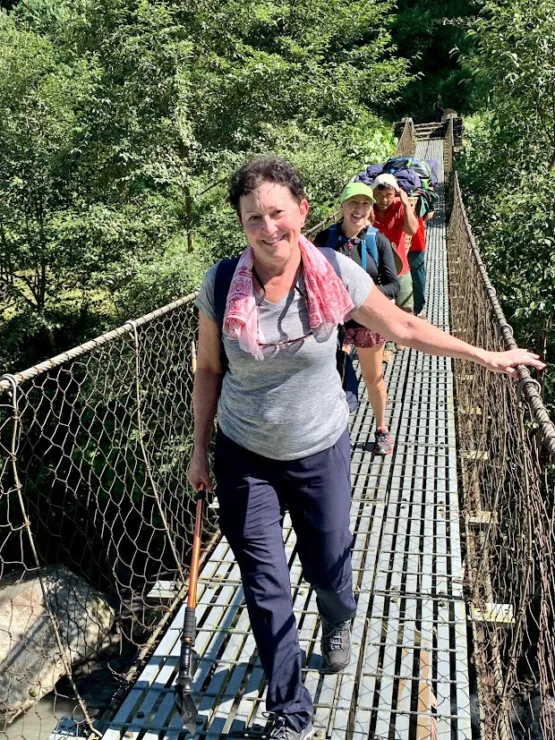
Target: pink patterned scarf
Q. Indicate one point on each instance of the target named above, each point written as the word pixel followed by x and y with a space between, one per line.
pixel 327 299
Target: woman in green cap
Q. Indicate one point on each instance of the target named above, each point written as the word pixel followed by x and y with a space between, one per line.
pixel 355 237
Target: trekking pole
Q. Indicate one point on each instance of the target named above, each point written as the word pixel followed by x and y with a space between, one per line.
pixel 184 687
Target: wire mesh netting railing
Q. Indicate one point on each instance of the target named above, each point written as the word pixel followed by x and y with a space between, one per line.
pixel 95 514
pixel 96 517
pixel 507 456
pixel 407 141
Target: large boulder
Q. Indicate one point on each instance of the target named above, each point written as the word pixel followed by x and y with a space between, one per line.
pixel 30 660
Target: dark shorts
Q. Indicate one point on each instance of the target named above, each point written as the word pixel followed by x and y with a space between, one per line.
pixel 362 337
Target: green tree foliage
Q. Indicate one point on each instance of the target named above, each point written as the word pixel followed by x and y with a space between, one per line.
pixel 260 64
pixel 117 117
pixel 513 70
pixel 89 149
pixel 432 35
pixel 509 162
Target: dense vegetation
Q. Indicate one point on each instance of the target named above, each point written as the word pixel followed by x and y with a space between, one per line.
pixel 509 163
pixel 432 36
pixel 121 118
pixel 119 115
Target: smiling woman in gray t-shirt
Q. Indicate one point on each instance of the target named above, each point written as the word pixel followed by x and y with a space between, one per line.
pixel 291 404
pixel 282 440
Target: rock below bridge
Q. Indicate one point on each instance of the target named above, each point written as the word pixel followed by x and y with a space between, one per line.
pixel 30 660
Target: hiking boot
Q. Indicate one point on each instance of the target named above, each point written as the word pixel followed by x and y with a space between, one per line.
pixel 387 355
pixel 383 444
pixel 336 646
pixel 282 730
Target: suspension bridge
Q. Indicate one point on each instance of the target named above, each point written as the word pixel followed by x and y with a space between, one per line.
pixel 454 540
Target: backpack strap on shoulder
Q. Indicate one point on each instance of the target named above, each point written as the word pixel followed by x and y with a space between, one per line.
pixel 371 247
pixel 224 275
pixel 333 236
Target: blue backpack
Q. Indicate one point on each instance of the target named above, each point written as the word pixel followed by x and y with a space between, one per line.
pixel 369 241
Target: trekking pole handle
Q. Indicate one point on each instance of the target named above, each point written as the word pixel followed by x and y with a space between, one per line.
pixel 189 626
pixel 195 557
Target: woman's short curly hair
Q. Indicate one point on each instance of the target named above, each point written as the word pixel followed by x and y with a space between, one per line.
pixel 264 169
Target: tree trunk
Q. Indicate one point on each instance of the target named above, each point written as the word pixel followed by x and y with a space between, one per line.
pixel 189 219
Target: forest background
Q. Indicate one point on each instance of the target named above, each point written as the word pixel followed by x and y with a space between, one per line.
pixel 120 121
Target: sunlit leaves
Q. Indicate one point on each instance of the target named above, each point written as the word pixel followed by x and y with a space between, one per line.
pixel 113 110
pixel 509 162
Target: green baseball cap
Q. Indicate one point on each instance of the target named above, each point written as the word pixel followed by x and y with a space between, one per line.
pixel 357 188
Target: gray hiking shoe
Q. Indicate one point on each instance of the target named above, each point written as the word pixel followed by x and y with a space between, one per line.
pixel 282 730
pixel 383 445
pixel 336 646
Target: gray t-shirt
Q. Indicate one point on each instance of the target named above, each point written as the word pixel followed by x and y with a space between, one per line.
pixel 290 404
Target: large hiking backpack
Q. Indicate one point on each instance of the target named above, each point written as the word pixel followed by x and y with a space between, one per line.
pixel 407 178
pixel 428 200
pixel 369 242
pixel 422 168
pixel 224 275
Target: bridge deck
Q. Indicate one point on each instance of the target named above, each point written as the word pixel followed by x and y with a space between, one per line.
pixel 408 676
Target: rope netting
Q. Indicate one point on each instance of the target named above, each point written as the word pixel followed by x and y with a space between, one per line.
pixel 448 147
pixel 96 517
pixel 407 141
pixel 507 456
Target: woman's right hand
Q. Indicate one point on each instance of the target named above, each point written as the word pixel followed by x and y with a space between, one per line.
pixel 198 472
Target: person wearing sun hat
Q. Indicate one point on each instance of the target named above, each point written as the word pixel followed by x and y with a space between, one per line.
pixel 395 218
pixel 348 238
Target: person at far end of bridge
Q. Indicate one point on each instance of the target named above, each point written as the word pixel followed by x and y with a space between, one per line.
pixel 395 218
pixel 439 109
pixel 355 238
pixel 266 362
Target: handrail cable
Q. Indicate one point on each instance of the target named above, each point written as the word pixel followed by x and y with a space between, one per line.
pixel 528 387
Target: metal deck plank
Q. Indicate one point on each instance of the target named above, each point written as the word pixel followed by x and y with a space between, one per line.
pixel 150 682
pixel 163 664
pixel 421 532
pixel 157 706
pixel 152 670
pixel 370 529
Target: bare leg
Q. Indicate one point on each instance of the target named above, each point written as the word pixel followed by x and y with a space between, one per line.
pixel 371 367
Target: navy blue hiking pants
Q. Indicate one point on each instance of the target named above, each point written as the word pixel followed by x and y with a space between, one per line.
pixel 253 493
pixel 417 262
